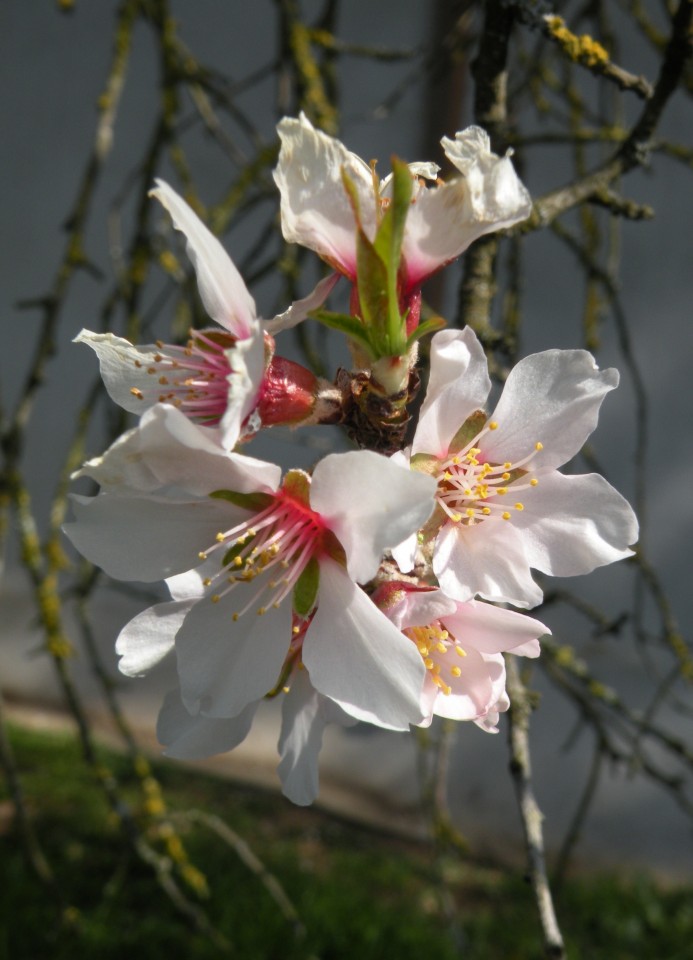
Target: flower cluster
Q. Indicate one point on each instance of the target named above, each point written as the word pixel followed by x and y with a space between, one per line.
pixel 365 589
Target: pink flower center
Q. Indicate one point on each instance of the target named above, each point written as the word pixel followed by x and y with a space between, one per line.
pixel 440 652
pixel 193 378
pixel 472 489
pixel 273 548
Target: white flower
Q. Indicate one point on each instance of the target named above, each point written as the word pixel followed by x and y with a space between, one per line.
pixel 217 377
pixel 462 646
pixel 173 503
pixel 502 506
pixel 443 220
pixel 305 714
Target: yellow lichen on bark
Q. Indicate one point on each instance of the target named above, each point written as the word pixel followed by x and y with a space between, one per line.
pixel 581 49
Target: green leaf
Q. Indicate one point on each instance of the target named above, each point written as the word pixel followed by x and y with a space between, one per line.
pixel 249 501
pixel 351 326
pixel 426 326
pixel 390 235
pixel 306 589
pixel 374 292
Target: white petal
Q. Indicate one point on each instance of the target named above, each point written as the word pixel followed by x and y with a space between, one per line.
pixel 300 740
pixel 573 524
pixel 223 665
pixel 315 210
pixel 492 629
pixel 122 468
pixel 225 296
pixel 458 386
pixel 138 538
pixel 247 364
pixel 188 737
pixel 552 398
pixel 404 553
pixel 299 309
pixel 444 221
pixel 478 687
pixel 370 503
pixel 149 637
pixel 355 656
pixel 192 458
pixel 487 559
pixel 123 367
pixel 421 607
pixel 419 168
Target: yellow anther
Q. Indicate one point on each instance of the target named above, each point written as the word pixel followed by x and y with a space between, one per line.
pixel 456 517
pixel 505 476
pixel 238 561
pixel 215 598
pixel 235 617
pixel 206 582
pixel 441 648
pixel 486 511
pixel 506 516
pixel 519 506
pixel 444 634
pixel 493 425
pixel 507 465
pixel 261 611
pixel 219 537
pixel 202 555
pixel 447 475
pixel 428 663
pixel 470 511
pixel 538 446
pixel 446 689
pixel 137 393
pixel 436 668
pixel 533 482
pixel 456 671
pixel 456 461
pixel 295 630
pixel 460 652
pixel 423 650
pixel 501 491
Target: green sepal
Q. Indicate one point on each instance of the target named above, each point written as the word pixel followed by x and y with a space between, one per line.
pixel 234 551
pixel 469 429
pixel 351 326
pixel 249 501
pixel 333 548
pixel 425 463
pixel 297 485
pixel 306 589
pixel 431 325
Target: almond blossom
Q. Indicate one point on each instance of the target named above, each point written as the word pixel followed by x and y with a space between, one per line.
pixel 246 552
pixel 444 218
pixel 221 375
pixel 462 646
pixel 502 507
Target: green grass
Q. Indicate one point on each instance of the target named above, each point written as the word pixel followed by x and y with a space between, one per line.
pixel 361 896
